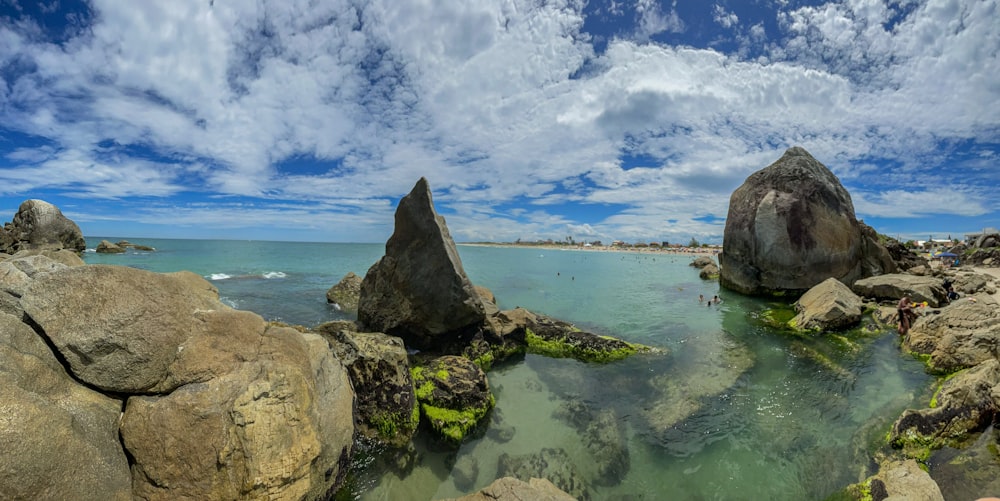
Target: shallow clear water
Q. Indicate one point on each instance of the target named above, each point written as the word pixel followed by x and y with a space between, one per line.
pixel 733 411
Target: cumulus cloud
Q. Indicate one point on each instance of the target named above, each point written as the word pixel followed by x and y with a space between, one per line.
pixel 327 110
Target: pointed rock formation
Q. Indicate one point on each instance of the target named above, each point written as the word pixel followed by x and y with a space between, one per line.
pixel 790 226
pixel 419 291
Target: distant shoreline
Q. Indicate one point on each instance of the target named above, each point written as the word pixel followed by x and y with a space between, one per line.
pixel 672 251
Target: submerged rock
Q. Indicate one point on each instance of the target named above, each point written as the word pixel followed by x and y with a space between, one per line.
pixel 512 489
pixel 554 465
pixel 790 226
pixel 39 225
pixel 603 435
pixel 418 290
pixel 717 363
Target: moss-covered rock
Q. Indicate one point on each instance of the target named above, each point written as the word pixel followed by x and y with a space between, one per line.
pixel 454 396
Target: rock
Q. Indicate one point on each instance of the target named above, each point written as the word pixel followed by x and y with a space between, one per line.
pixel 971 283
pixel 512 489
pixel 675 397
pixel 971 472
pixel 489 300
pixel 966 403
pixel 828 306
pixel 987 240
pixel 553 465
pixel 465 472
pixel 603 435
pixel 40 225
pixel 277 426
pixel 386 406
pixel 64 256
pixel 454 395
pixel 17 273
pixel 60 439
pixel 896 285
pixel 963 335
pixel 790 226
pixel 904 480
pixel 904 258
pixel 555 338
pixel 125 338
pixel 701 262
pixel 106 247
pixel 418 290
pixel 709 272
pixel 919 271
pixel 345 293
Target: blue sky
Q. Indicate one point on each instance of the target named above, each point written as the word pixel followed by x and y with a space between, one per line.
pixel 601 120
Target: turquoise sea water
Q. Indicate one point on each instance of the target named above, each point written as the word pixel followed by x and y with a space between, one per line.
pixel 735 410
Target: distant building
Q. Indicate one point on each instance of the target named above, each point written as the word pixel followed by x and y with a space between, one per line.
pixel 971 238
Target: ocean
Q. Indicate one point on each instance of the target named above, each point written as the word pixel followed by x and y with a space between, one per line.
pixel 735 410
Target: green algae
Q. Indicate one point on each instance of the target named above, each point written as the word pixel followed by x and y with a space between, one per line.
pixel 560 348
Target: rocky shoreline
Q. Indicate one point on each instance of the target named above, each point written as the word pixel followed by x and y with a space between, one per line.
pixel 139 385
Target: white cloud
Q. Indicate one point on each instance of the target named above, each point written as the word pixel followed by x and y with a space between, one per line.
pixel 487 99
pixel 723 17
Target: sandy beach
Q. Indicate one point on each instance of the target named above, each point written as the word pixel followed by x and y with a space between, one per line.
pixel 712 252
pixel 994 272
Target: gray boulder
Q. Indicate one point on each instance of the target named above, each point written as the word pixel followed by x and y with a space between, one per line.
pixel 40 225
pixel 60 439
pixel 963 335
pixel 345 293
pixel 790 226
pixel 418 290
pixel 896 285
pixel 828 306
pixel 17 273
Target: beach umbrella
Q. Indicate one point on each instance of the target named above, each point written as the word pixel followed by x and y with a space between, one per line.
pixel 947 254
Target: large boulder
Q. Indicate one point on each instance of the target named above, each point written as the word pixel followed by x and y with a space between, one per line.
pixel 278 426
pixel 58 439
pixel 220 403
pixel 40 225
pixel 963 335
pixel 792 225
pixel 386 407
pixel 896 285
pixel 418 290
pixel 120 328
pixel 828 306
pixel 106 247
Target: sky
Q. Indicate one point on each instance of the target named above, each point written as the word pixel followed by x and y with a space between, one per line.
pixel 308 120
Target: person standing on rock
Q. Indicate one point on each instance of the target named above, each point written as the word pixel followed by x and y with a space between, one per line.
pixel 904 311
